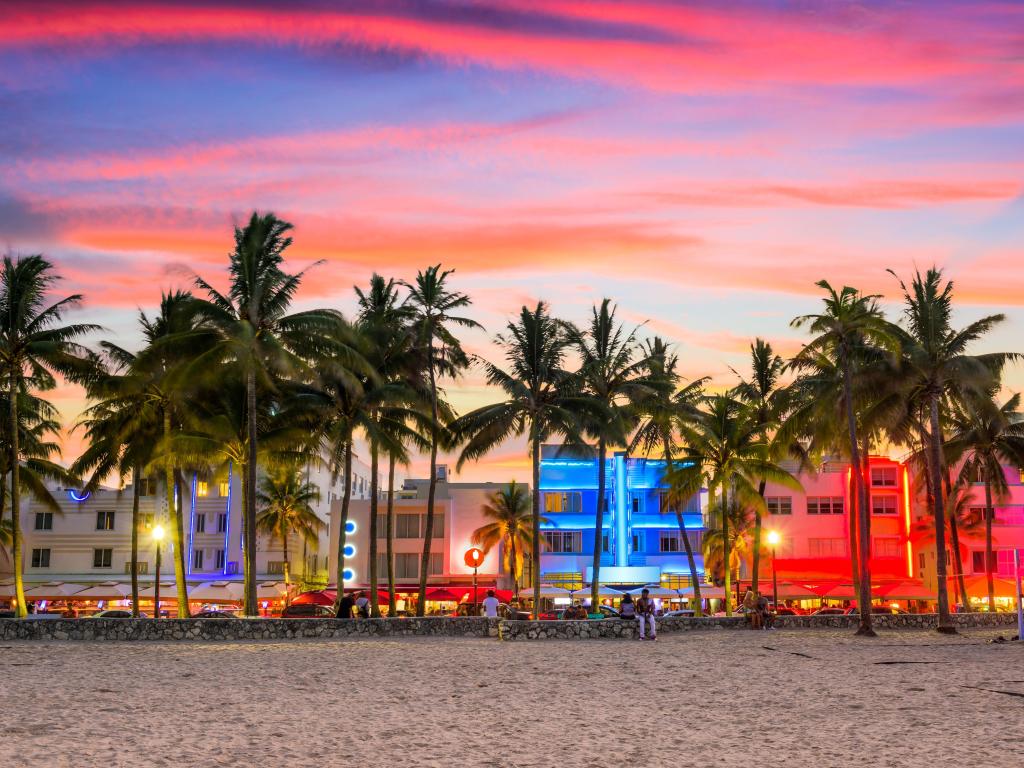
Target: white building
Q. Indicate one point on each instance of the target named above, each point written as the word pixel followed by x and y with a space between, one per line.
pixel 89 540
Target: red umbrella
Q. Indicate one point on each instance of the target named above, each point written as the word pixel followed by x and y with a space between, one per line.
pixel 317 597
pixel 443 595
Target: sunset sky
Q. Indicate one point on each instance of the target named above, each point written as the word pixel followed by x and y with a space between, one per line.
pixel 703 164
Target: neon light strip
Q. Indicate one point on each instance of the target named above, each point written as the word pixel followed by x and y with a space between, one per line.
pixel 906 518
pixel 621 521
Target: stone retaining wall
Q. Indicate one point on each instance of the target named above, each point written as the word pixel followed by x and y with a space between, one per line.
pixel 241 629
pixel 284 629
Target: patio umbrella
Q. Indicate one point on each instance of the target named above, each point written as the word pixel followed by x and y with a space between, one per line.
pixel 6 590
pixel 796 591
pixel 54 590
pixel 168 592
pixel 316 597
pixel 270 590
pixel 905 590
pixel 441 595
pixel 656 590
pixel 108 590
pixel 840 592
pixel 707 592
pixel 603 591
pixel 217 592
pixel 546 590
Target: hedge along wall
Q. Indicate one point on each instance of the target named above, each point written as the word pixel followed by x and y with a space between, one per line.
pixel 286 629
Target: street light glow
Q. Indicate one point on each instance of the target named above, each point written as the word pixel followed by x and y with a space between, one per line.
pixel 158 533
pixel 773 537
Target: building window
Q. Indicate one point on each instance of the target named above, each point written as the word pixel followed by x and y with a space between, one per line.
pixel 638 542
pixel 222 522
pixel 407 565
pixel 202 488
pixel 102 558
pixel 407 526
pixel 676 581
pixel 104 520
pixel 606 542
pixel 224 489
pixel 563 541
pixel 200 523
pixel 438 532
pixel 145 521
pixel 883 477
pixel 142 567
pixel 887 546
pixel 219 559
pixel 1004 561
pixel 883 505
pixel 435 565
pixel 825 505
pixel 665 505
pixel 44 521
pixel 780 505
pixel 275 566
pixel 978 562
pixel 569 501
pixel 147 486
pixel 1009 516
pixel 920 559
pixel 637 504
pixel 669 541
pixel 197 559
pixel 826 547
pixel 40 558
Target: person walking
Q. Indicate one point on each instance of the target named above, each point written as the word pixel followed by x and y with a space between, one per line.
pixel 362 606
pixel 490 605
pixel 645 613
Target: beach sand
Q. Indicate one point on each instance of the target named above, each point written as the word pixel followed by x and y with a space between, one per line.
pixel 811 698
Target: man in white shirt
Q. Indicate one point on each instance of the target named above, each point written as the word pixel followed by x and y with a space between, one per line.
pixel 490 605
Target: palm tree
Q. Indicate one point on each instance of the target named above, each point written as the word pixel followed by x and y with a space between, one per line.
pixel 392 400
pixel 850 322
pixel 611 376
pixel 34 346
pixel 539 403
pixel 286 500
pixel 509 511
pixel 938 366
pixel 262 340
pixel 441 354
pixel 989 435
pixel 727 450
pixel 663 407
pixel 728 536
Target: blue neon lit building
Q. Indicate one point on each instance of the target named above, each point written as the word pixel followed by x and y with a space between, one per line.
pixel 640 532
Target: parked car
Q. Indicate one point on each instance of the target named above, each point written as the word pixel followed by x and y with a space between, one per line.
pixel 681 612
pixel 784 611
pixel 829 612
pixel 878 610
pixel 116 613
pixel 308 611
pixel 214 615
pixel 508 612
pixel 606 610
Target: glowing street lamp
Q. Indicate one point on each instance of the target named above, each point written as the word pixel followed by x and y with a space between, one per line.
pixel 158 537
pixel 773 542
pixel 474 558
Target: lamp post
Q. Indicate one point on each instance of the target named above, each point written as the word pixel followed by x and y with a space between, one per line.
pixel 473 558
pixel 773 541
pixel 158 537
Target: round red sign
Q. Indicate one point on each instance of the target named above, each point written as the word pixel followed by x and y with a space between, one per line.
pixel 474 557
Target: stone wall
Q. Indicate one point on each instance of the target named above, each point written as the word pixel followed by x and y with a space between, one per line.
pixel 285 629
pixel 241 629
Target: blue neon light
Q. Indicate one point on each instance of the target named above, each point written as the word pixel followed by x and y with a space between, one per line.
pixel 78 496
pixel 350 527
pixel 350 550
pixel 192 524
pixel 621 544
pixel 348 574
pixel 227 528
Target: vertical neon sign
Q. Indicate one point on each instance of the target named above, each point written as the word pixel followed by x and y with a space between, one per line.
pixel 621 521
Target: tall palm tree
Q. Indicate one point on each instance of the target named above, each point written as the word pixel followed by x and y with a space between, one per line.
pixel 937 366
pixel 287 500
pixel 392 402
pixel 849 322
pixel 611 375
pixel 34 346
pixel 539 402
pixel 259 336
pixel 771 404
pixel 510 527
pixel 988 435
pixel 727 540
pixel 663 407
pixel 432 306
pixel 727 451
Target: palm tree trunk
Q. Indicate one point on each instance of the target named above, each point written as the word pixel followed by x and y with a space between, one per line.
pixel 685 536
pixel 287 563
pixel 346 499
pixel 428 534
pixel 177 534
pixel 389 545
pixel 954 537
pixel 251 609
pixel 535 547
pixel 726 550
pixel 756 564
pixel 935 449
pixel 372 566
pixel 595 585
pixel 989 575
pixel 513 559
pixel 21 609
pixel 865 527
pixel 857 507
pixel 135 540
